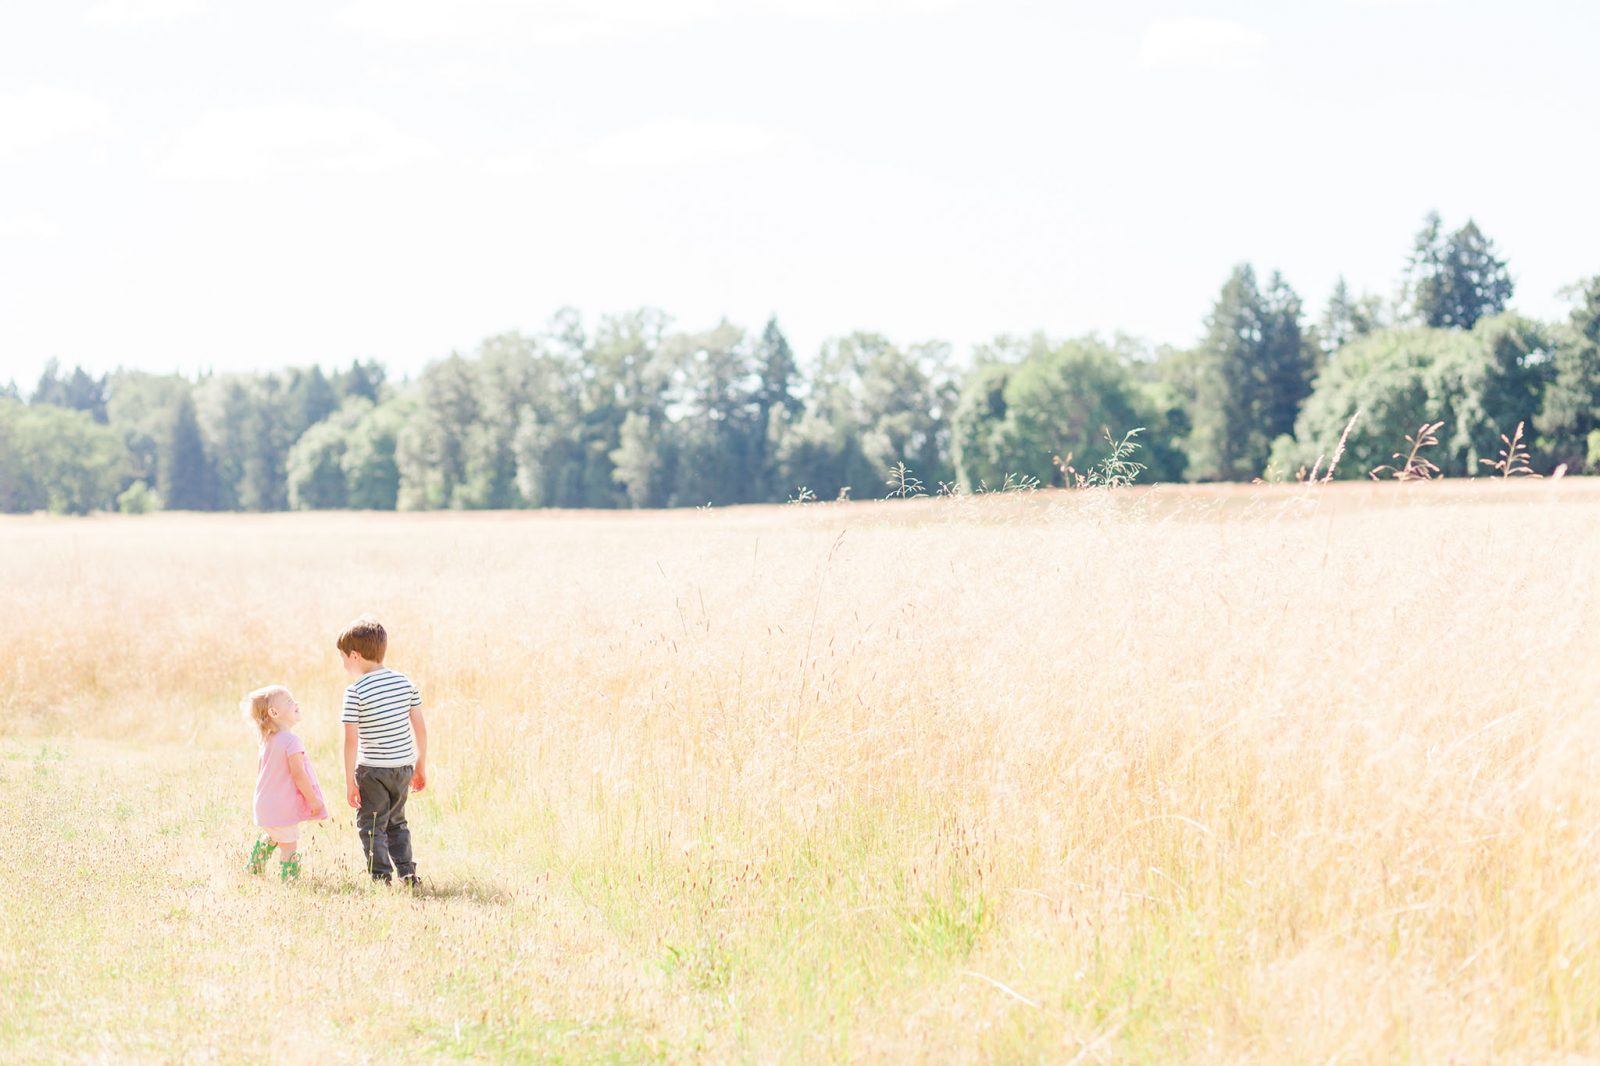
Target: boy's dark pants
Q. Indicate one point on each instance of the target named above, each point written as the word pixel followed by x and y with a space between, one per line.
pixel 381 820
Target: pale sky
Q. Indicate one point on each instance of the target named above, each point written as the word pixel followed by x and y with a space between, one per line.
pixel 191 183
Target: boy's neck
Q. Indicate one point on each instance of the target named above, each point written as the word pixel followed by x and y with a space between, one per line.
pixel 370 668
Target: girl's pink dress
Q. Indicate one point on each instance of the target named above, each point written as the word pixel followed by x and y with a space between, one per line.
pixel 278 802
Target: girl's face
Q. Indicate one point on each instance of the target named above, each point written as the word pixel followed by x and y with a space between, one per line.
pixel 284 711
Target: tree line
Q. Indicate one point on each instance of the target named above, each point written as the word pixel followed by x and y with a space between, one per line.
pixel 629 412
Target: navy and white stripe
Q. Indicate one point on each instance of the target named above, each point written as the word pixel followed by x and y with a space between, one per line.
pixel 379 705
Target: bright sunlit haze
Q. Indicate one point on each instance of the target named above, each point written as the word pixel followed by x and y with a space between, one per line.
pixel 194 185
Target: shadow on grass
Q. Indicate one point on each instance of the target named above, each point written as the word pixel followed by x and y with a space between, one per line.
pixel 448 888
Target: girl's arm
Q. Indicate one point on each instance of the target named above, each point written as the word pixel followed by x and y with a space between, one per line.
pixel 302 780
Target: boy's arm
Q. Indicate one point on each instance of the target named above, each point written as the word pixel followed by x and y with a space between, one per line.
pixel 302 781
pixel 352 793
pixel 419 776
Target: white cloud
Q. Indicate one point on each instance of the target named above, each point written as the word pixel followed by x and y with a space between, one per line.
pixel 284 139
pixel 41 115
pixel 676 141
pixel 116 14
pixel 1194 43
pixel 852 10
pixel 521 163
pixel 535 22
pixel 27 227
pixel 561 22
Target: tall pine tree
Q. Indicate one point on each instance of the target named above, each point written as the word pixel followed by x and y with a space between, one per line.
pixel 1453 280
pixel 309 399
pixel 1255 371
pixel 362 379
pixel 263 482
pixel 1285 359
pixel 1348 317
pixel 776 402
pixel 79 390
pixel 186 481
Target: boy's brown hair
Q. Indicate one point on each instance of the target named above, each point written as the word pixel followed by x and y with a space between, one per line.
pixel 366 638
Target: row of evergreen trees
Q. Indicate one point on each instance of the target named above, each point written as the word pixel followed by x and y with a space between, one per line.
pixel 631 413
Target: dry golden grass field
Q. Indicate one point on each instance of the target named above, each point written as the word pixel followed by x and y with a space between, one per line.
pixel 1257 775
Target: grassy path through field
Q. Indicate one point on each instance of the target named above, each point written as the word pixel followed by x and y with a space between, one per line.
pixel 128 929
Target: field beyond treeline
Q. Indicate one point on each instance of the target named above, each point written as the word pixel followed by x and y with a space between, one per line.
pixel 1260 774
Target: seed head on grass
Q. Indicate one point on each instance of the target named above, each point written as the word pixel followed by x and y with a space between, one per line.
pixel 1414 466
pixel 1514 457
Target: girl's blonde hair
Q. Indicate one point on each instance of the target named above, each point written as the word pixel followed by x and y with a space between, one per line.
pixel 258 705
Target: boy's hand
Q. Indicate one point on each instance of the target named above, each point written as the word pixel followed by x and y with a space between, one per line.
pixel 419 779
pixel 352 793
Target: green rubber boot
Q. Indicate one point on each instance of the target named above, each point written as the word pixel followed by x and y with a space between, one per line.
pixel 259 855
pixel 289 868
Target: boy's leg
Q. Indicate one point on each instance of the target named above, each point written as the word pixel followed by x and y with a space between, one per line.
pixel 372 821
pixel 399 833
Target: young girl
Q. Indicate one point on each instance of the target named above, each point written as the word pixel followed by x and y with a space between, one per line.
pixel 286 790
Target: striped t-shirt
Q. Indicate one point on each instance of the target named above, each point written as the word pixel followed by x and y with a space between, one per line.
pixel 379 705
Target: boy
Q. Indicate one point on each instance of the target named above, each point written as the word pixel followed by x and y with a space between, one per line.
pixel 385 750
